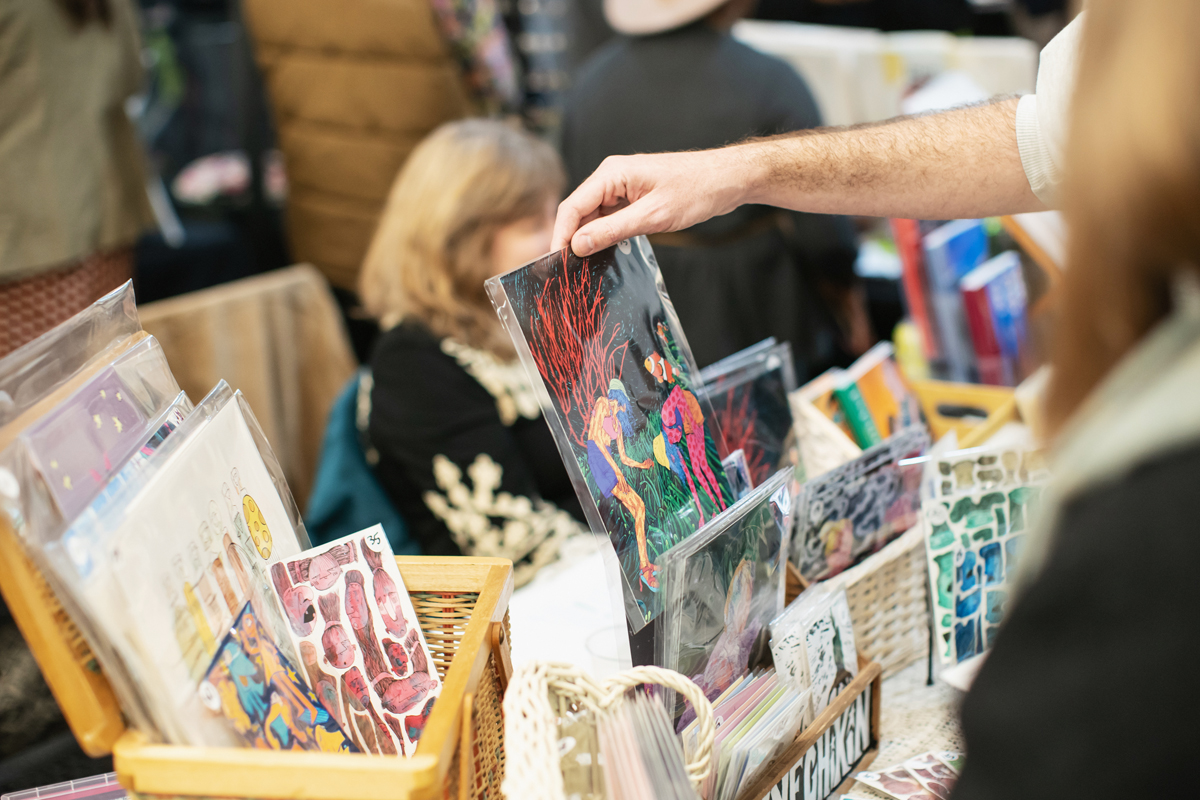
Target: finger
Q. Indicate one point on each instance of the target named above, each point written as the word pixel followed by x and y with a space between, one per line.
pixel 581 203
pixel 632 220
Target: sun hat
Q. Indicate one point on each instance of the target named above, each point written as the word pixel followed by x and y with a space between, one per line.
pixel 642 17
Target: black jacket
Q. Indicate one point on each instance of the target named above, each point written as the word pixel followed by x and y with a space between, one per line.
pixel 464 453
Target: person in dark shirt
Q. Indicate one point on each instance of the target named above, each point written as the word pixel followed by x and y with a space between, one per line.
pixel 464 453
pixel 685 83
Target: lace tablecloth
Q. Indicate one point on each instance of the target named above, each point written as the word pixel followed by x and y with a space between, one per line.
pixel 915 718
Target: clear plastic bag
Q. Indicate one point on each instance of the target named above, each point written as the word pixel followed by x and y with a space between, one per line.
pixel 36 369
pixel 723 587
pixel 617 383
pixel 812 644
pixel 749 394
pixel 856 509
pixel 166 558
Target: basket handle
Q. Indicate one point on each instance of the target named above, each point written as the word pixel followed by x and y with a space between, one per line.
pixel 530 731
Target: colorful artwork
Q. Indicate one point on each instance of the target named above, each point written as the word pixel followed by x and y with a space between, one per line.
pixel 270 707
pixel 358 636
pixel 984 469
pixel 600 336
pixel 895 782
pixel 724 586
pixel 935 776
pixel 184 566
pixel 854 510
pixel 750 399
pixel 79 445
pixel 973 545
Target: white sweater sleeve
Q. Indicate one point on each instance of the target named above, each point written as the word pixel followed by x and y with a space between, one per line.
pixel 1043 118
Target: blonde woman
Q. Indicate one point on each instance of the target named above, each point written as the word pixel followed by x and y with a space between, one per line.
pixel 464 453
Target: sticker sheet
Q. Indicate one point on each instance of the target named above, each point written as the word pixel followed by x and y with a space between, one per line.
pixel 83 441
pixel 984 469
pixel 359 639
pixel 262 696
pixel 935 776
pixel 751 404
pixel 191 548
pixel 973 546
pixel 859 507
pixel 723 589
pixel 896 782
pixel 619 386
pixel 813 645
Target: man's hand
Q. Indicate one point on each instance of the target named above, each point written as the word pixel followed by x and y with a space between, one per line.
pixel 633 195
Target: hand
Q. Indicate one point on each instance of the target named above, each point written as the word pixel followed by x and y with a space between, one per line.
pixel 633 195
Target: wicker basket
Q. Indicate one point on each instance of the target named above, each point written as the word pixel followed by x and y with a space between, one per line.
pixel 462 607
pixel 888 597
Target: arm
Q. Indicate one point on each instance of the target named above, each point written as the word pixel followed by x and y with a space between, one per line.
pixel 961 163
pixel 626 460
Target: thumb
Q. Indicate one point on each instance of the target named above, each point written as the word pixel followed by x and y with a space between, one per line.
pixel 630 221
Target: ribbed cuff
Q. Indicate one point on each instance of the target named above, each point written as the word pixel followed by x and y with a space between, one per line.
pixel 1043 174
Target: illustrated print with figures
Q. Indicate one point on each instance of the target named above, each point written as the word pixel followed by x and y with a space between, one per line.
pixel 185 559
pixel 359 640
pixel 600 335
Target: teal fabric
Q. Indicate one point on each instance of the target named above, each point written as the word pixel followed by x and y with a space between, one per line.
pixel 346 496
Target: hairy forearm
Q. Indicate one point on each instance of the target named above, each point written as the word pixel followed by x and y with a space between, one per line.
pixel 962 163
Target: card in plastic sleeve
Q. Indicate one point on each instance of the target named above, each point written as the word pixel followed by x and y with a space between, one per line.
pixel 618 385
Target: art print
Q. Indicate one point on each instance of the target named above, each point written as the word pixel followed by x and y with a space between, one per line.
pixel 856 509
pixel 952 759
pixel 600 336
pixel 359 640
pixel 752 409
pixel 935 776
pixel 80 444
pixel 973 546
pixel 262 696
pixel 724 589
pixel 188 562
pixel 984 469
pixel 895 782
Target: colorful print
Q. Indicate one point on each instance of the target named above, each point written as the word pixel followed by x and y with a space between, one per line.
pixel 262 696
pixel 854 510
pixel 752 408
pixel 361 644
pixel 724 586
pixel 600 335
pixel 973 544
pixel 983 469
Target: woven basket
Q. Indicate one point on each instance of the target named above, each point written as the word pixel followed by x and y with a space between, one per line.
pixel 540 689
pixel 888 594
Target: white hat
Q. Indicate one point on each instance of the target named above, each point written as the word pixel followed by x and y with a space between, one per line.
pixel 642 17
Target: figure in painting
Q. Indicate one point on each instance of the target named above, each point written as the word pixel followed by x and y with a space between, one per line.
pixel 299 602
pixel 324 569
pixel 683 420
pixel 610 422
pixel 732 651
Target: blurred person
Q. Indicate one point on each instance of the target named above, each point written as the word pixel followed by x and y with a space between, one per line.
pixel 677 80
pixel 1096 633
pixel 74 198
pixel 464 453
pixel 1001 157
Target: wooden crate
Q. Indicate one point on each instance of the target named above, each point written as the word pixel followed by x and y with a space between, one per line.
pixel 945 405
pixel 462 606
pixel 842 740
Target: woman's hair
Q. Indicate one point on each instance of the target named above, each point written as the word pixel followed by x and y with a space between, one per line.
pixel 431 252
pixel 1132 191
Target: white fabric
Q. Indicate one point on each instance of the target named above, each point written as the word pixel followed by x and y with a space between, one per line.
pixel 1043 118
